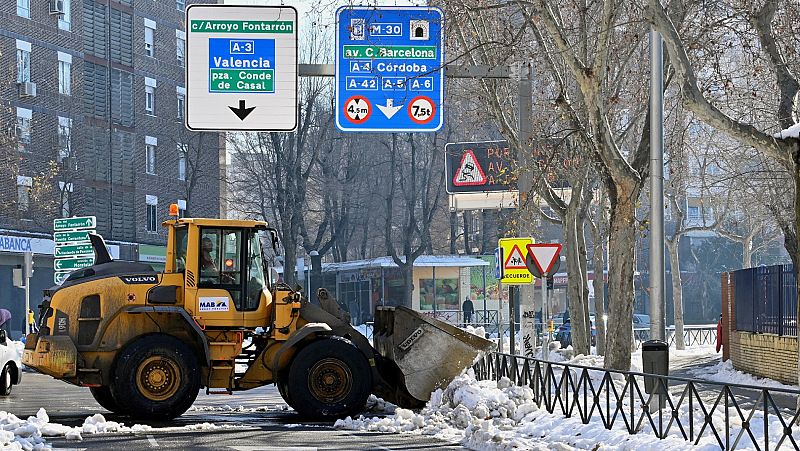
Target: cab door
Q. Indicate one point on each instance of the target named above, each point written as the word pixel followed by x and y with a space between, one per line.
pixel 220 282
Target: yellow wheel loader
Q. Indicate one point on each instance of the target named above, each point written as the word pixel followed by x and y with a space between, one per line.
pixel 146 342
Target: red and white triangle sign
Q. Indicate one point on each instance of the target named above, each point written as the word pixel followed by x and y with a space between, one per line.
pixel 544 255
pixel 469 172
pixel 515 259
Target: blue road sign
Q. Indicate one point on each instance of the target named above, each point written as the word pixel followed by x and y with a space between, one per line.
pixel 498 263
pixel 389 75
pixel 241 65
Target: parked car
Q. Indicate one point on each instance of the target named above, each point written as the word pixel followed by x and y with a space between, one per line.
pixel 641 321
pixel 11 373
pixel 564 334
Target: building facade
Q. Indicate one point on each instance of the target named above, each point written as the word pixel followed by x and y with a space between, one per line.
pixel 91 123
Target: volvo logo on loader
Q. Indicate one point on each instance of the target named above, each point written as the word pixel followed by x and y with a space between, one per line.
pixel 408 342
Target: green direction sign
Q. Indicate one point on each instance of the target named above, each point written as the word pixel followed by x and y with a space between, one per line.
pixel 242 80
pixel 71 237
pixel 74 250
pixel 83 222
pixel 59 277
pixel 72 263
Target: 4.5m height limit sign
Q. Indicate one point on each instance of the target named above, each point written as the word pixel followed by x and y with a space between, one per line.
pixel 241 68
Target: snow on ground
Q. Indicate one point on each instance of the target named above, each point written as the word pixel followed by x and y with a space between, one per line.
pixel 29 434
pixel 18 346
pixel 725 372
pixel 497 415
pixel 791 132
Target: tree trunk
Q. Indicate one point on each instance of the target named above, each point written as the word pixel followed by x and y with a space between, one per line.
pixel 289 262
pixel 677 290
pixel 467 217
pixel 576 284
pixel 453 232
pixel 598 284
pixel 408 283
pixel 747 251
pixel 622 237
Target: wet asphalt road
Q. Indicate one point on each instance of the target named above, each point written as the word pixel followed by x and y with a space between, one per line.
pixel 263 423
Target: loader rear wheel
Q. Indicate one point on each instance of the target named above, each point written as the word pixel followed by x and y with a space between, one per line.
pixel 157 376
pixel 330 378
pixel 106 400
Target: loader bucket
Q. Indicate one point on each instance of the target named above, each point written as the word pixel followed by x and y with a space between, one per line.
pixel 429 353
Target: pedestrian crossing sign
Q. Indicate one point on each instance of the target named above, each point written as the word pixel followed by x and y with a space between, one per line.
pixel 515 251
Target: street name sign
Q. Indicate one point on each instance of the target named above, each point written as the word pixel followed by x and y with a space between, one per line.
pixel 514 252
pixel 63 264
pixel 78 237
pixel 75 250
pixel 77 223
pixel 241 68
pixel 389 69
pixel 485 166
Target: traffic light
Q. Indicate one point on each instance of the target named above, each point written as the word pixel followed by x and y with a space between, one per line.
pixel 28 265
pixel 550 283
pixel 16 277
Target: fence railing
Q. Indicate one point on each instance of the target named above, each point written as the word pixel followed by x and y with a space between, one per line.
pixel 730 415
pixel 692 335
pixel 766 300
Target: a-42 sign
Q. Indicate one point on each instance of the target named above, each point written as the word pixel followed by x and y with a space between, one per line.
pixel 389 69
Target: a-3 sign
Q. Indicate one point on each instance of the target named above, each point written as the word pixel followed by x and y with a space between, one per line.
pixel 77 223
pixel 389 75
pixel 241 68
pixel 514 251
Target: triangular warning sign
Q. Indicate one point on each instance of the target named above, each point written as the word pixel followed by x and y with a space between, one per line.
pixel 469 172
pixel 544 255
pixel 515 259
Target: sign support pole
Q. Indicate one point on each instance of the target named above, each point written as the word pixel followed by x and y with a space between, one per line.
pixel 545 320
pixel 657 320
pixel 527 294
pixel 501 336
pixel 512 300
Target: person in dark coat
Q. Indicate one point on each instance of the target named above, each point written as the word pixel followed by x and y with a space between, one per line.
pixel 468 310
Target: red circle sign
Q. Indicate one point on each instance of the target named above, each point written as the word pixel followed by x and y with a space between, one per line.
pixel 357 109
pixel 421 109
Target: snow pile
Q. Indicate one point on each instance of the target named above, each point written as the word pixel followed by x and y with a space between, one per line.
pixel 379 406
pixel 497 415
pixel 238 409
pixel 726 373
pixel 18 347
pixel 19 434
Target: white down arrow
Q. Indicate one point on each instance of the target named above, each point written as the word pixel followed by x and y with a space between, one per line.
pixel 389 109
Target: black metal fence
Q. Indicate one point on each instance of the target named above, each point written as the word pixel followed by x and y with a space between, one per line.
pixel 729 415
pixel 692 335
pixel 766 300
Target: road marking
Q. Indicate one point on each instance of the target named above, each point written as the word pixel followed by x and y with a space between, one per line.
pixel 152 440
pixel 273 448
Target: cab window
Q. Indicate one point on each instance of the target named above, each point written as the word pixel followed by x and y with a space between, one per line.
pixel 220 261
pixel 255 273
pixel 181 240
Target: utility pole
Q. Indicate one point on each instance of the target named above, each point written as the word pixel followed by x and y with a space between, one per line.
pixel 27 270
pixel 657 320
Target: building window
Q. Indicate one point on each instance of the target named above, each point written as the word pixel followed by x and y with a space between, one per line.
pixel 23 61
pixel 149 32
pixel 24 8
pixel 24 193
pixel 180 47
pixel 64 73
pixel 64 20
pixel 181 106
pixel 150 144
pixel 150 96
pixel 693 212
pixel 180 5
pixel 152 212
pixel 65 190
pixel 23 129
pixel 181 161
pixel 64 138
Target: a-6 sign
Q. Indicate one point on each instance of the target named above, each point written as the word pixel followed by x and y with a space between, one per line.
pixel 72 263
pixel 78 223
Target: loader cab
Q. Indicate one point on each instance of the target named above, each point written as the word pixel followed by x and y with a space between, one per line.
pixel 223 271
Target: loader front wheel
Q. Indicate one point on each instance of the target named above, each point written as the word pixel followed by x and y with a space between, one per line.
pixel 328 379
pixel 157 376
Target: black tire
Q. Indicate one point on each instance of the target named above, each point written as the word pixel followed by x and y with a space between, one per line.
pixel 106 400
pixel 156 377
pixel 283 389
pixel 5 381
pixel 329 379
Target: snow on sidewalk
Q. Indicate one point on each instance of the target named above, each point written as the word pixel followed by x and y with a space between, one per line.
pixel 29 434
pixel 498 416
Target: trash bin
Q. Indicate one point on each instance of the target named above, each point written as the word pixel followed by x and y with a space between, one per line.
pixel 655 360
